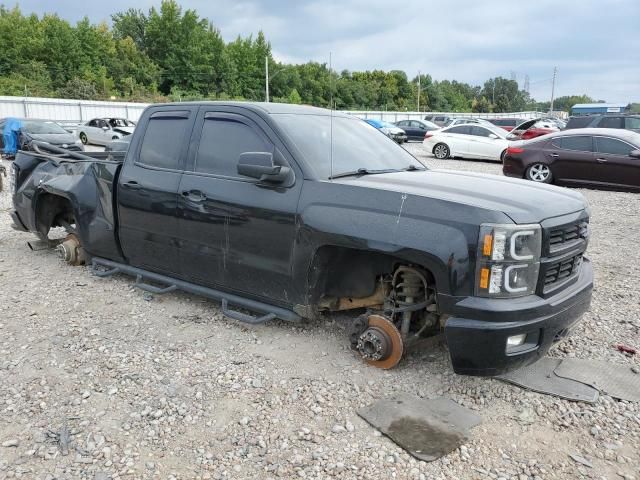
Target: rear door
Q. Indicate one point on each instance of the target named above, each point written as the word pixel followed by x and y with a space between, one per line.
pixel 457 138
pixel 615 166
pixel 571 158
pixel 236 233
pixel 148 189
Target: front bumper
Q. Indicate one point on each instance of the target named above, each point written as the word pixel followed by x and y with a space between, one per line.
pixel 477 336
pixel 399 137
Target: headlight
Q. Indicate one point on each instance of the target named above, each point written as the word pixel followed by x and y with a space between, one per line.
pixel 385 130
pixel 508 260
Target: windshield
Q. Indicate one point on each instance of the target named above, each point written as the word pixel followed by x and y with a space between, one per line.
pixel 42 128
pixel 356 145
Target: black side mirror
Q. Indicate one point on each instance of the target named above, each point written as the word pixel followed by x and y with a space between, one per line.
pixel 260 165
pixel 634 153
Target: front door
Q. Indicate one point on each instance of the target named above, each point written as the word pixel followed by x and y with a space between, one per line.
pixel 571 158
pixel 236 233
pixel 148 190
pixel 615 166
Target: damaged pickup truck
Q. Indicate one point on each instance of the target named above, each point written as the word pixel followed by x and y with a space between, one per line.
pixel 288 211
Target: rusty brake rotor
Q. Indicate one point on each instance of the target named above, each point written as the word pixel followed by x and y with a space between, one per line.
pixel 381 343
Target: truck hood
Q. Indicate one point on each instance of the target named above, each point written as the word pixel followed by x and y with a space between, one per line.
pixel 521 200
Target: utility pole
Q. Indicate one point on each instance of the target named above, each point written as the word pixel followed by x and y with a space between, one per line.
pixel 266 78
pixel 418 90
pixel 553 88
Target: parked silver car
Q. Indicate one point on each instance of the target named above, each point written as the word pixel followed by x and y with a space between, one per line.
pixel 100 131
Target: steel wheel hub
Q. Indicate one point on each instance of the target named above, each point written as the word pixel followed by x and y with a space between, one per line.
pixel 374 344
pixel 381 343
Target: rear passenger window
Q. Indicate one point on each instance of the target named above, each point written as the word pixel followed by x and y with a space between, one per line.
pixel 163 141
pixel 611 122
pixel 222 142
pixel 613 146
pixel 462 130
pixel 632 123
pixel 580 143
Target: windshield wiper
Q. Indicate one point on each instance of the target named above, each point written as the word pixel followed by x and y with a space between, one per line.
pixel 363 171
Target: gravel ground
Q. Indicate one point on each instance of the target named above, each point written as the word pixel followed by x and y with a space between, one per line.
pixel 99 380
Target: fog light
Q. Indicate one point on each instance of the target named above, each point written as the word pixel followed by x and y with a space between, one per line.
pixel 516 340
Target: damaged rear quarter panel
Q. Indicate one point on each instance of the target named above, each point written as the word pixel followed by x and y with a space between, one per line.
pixel 88 186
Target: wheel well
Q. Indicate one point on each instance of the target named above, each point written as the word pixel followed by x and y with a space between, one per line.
pixel 51 211
pixel 340 272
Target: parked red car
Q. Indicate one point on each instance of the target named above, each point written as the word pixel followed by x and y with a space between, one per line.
pixel 533 128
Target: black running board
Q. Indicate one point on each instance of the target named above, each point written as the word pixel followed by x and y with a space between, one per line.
pixel 267 312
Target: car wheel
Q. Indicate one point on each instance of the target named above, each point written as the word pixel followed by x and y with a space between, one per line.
pixel 539 172
pixel 83 138
pixel 441 151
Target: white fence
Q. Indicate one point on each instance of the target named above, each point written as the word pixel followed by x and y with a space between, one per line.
pixel 396 116
pixel 64 110
pixel 77 111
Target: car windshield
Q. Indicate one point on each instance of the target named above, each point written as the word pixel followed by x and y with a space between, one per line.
pixel 121 122
pixel 42 128
pixel 356 145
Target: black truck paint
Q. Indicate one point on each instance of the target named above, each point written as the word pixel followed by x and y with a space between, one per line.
pixel 309 243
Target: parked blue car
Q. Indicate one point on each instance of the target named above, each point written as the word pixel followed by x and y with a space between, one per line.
pixel 389 129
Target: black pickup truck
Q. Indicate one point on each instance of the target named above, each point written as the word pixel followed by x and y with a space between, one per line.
pixel 289 211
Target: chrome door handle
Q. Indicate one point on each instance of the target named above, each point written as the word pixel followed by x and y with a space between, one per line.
pixel 554 155
pixel 601 160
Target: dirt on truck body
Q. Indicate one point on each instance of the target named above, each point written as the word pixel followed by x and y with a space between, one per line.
pixel 288 211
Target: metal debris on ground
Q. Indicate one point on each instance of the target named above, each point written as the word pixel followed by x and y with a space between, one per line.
pixel 581 460
pixel 426 428
pixel 62 438
pixel 617 381
pixel 626 349
pixel 540 377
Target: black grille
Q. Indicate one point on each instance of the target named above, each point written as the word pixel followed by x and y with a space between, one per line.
pixel 562 237
pixel 559 271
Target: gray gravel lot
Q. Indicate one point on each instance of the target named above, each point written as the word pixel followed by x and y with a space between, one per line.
pixel 99 380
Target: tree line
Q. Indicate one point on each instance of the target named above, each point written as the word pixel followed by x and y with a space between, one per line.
pixel 173 54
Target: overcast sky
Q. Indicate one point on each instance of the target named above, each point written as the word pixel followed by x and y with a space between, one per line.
pixel 594 43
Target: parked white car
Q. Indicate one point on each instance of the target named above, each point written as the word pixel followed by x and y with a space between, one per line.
pixel 101 131
pixel 468 141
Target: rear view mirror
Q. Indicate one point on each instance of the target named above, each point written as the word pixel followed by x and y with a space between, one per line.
pixel 260 165
pixel 634 153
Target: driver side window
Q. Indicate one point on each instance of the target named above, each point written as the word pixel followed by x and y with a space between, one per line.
pixel 221 143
